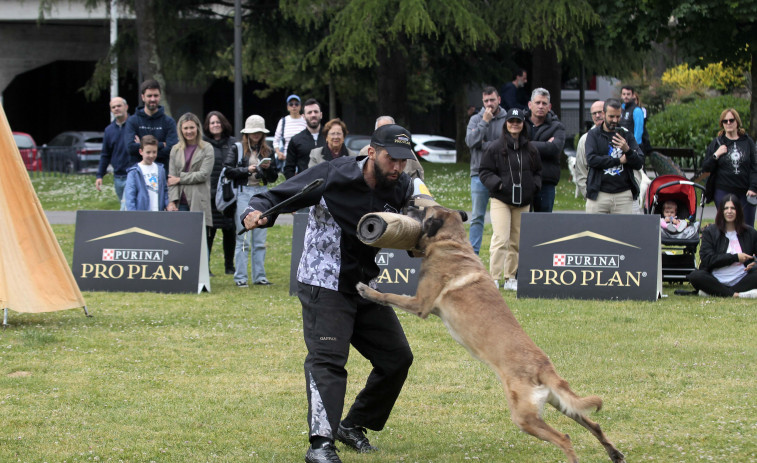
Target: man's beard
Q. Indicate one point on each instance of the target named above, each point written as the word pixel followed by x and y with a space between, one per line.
pixel 382 178
pixel 314 123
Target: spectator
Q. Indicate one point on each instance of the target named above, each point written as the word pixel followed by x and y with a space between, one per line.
pixel 300 146
pixel 511 171
pixel 547 135
pixel 146 188
pixel 218 133
pixel 334 314
pixel 250 175
pixel 483 129
pixel 288 127
pixel 731 160
pixel 191 164
pixel 611 155
pixel 727 254
pixel 632 117
pixel 582 169
pixel 114 149
pixel 335 131
pixel 509 91
pixel 150 119
pixel 413 168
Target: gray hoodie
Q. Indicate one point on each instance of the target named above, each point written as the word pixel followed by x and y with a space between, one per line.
pixel 480 134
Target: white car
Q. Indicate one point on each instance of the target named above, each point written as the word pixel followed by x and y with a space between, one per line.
pixel 434 148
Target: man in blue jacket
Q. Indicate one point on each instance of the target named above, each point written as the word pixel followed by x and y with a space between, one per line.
pixel 150 119
pixel 114 149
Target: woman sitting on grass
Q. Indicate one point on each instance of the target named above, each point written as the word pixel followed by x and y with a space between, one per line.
pixel 726 255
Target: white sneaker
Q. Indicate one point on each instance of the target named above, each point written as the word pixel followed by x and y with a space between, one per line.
pixel 496 283
pixel 703 294
pixel 510 285
pixel 751 294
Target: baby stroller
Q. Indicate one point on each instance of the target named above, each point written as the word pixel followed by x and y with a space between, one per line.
pixel 678 250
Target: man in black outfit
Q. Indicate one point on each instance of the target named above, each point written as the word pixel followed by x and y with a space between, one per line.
pixel 300 146
pixel 334 315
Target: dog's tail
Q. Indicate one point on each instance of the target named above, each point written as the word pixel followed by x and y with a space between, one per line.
pixel 564 399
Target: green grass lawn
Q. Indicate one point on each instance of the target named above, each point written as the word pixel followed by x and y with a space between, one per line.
pixel 217 377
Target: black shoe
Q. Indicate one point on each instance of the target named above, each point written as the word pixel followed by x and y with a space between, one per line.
pixel 325 454
pixel 229 271
pixel 354 438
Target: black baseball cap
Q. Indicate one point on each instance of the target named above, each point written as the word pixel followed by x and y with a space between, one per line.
pixel 396 140
pixel 515 113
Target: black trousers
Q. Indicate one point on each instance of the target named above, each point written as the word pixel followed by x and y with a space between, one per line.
pixel 229 242
pixel 705 281
pixel 331 322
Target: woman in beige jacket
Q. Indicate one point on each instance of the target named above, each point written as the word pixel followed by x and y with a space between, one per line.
pixel 189 169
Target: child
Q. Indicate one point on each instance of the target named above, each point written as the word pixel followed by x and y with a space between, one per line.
pixel 146 188
pixel 669 221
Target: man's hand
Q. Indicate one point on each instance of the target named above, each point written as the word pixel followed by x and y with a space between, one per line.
pixel 98 183
pixel 751 193
pixel 623 159
pixel 171 181
pixel 620 143
pixel 488 115
pixel 172 207
pixel 280 155
pixel 253 220
pixel 136 138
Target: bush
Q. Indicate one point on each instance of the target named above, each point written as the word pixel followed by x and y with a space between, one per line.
pixel 693 124
pixel 714 76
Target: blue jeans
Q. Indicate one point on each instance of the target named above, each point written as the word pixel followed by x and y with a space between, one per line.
pixel 545 198
pixel 119 183
pixel 251 241
pixel 480 198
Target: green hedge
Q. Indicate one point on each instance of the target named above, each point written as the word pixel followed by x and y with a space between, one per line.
pixel 693 125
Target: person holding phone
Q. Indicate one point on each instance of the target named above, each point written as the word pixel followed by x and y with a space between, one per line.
pixel 510 169
pixel 335 131
pixel 727 254
pixel 251 175
pixel 612 155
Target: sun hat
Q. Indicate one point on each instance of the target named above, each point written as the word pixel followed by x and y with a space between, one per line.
pixel 254 124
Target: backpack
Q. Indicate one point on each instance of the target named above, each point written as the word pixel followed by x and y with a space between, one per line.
pixel 226 194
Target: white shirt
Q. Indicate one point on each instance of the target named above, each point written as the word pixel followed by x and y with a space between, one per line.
pixel 150 174
pixel 732 274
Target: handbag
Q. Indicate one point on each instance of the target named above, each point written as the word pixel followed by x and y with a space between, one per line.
pixel 226 194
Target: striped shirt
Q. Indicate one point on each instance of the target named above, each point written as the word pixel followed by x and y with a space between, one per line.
pixel 291 128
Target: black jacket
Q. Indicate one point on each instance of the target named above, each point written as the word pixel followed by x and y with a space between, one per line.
pixel 549 151
pixel 735 171
pixel 220 150
pixel 713 251
pixel 598 159
pixel 298 152
pixel 501 161
pixel 334 257
pixel 240 173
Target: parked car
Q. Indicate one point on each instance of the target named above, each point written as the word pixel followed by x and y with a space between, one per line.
pixel 74 151
pixel 28 150
pixel 356 142
pixel 434 148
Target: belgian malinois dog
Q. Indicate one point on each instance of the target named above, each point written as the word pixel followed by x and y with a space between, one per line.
pixel 455 286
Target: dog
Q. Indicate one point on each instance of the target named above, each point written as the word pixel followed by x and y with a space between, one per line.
pixel 455 286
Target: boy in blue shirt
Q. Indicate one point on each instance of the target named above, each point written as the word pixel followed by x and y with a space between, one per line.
pixel 146 188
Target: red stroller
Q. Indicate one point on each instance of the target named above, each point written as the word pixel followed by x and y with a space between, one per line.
pixel 678 253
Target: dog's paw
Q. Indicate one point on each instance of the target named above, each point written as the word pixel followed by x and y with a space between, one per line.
pixel 363 289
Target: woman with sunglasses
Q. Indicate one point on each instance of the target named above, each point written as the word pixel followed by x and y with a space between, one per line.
pixel 727 255
pixel 731 160
pixel 511 170
pixel 287 127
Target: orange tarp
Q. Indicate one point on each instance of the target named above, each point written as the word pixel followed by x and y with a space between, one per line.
pixel 34 274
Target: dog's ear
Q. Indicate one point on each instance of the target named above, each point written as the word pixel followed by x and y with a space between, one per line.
pixel 431 226
pixel 463 215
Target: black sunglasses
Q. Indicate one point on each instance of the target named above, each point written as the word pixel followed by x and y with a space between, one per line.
pixel 728 121
pixel 294 103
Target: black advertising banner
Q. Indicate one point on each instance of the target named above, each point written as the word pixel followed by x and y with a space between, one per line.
pixel 398 271
pixel 141 251
pixel 590 256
